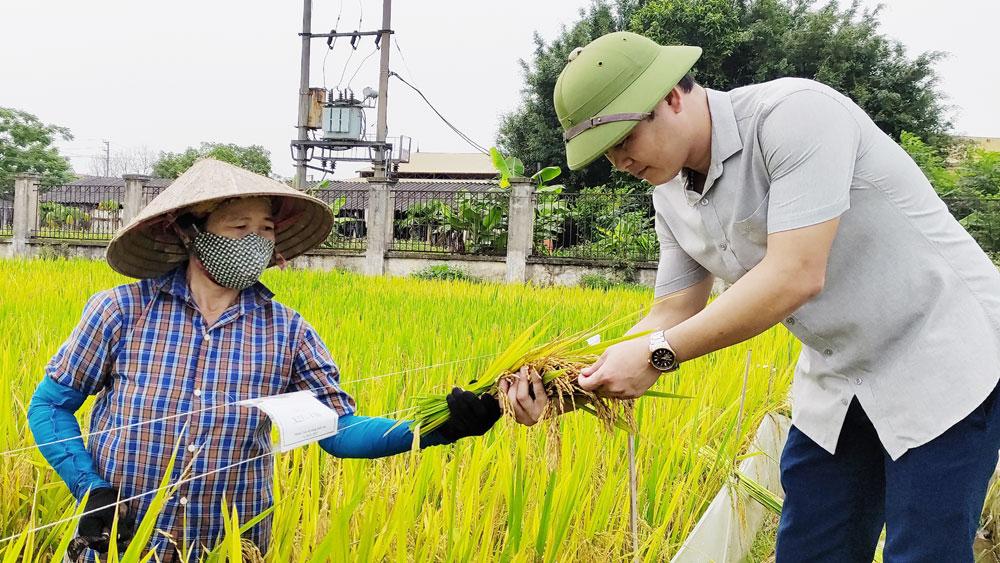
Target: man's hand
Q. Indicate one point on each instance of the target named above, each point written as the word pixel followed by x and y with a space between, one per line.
pixel 469 414
pixel 527 396
pixel 95 528
pixel 622 372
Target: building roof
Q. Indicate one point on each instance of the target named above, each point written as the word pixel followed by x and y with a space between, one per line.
pixel 471 163
pixel 443 165
pixel 116 181
pixel 92 190
pixel 986 143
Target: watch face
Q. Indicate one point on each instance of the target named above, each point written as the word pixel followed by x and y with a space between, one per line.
pixel 662 359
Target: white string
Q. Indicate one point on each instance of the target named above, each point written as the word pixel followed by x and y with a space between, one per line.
pixel 83 435
pixel 421 368
pixel 125 427
pixel 174 484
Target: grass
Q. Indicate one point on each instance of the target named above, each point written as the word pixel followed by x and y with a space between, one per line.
pixel 445 272
pixel 764 543
pixel 486 499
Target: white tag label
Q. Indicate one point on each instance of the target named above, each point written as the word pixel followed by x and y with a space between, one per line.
pixel 300 418
pixel 594 340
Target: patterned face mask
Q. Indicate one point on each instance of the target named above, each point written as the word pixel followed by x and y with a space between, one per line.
pixel 234 263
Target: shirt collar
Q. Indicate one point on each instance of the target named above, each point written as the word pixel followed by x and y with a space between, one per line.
pixel 252 298
pixel 726 140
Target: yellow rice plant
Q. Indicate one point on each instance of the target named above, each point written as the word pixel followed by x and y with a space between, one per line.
pixel 486 499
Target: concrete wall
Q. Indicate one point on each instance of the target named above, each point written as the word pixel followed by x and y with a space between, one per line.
pixel 91 250
pixel 540 271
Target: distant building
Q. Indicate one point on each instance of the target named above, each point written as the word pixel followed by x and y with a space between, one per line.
pixel 444 166
pixel 90 191
pixel 991 144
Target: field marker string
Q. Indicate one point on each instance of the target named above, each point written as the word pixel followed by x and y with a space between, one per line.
pixel 174 484
pixel 83 435
pixel 420 368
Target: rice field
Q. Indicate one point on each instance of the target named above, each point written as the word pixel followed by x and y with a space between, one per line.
pixel 488 499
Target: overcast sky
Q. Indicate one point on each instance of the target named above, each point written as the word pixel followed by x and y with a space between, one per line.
pixel 167 75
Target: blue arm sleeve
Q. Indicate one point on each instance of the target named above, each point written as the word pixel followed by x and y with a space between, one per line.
pixel 50 417
pixel 366 437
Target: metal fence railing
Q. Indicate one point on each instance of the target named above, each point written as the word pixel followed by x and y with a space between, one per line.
pixel 6 218
pixel 450 221
pixel 350 231
pixel 595 225
pixel 79 212
pixel 980 217
pixel 149 192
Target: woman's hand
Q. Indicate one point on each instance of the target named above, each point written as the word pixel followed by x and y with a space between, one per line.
pixel 526 395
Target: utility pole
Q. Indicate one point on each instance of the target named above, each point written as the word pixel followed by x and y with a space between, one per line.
pixel 107 158
pixel 383 89
pixel 300 151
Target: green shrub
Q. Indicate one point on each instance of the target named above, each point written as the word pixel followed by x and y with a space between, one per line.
pixel 608 281
pixel 57 216
pixel 445 272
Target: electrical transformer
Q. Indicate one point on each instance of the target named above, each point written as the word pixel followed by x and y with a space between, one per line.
pixel 343 119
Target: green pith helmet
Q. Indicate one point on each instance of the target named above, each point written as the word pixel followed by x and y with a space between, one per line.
pixel 612 84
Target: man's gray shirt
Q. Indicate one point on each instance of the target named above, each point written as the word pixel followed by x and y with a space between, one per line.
pixel 909 317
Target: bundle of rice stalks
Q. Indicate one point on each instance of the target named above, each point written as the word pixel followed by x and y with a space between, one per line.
pixel 558 363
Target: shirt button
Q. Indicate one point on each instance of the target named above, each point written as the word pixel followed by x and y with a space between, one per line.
pixel 184 500
pixel 844 402
pixel 790 320
pixel 724 246
pixel 192 448
pixel 197 392
pixel 828 352
pixel 859 381
pixel 704 201
pixel 208 338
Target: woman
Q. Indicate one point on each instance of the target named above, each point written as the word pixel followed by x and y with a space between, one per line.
pixel 197 334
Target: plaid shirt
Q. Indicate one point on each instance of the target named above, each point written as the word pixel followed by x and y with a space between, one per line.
pixel 146 351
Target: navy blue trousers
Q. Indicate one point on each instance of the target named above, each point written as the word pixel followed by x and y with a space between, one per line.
pixel 930 499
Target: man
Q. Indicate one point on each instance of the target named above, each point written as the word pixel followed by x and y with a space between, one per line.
pixel 183 345
pixel 788 191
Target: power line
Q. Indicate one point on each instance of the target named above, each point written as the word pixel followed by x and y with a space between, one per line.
pixel 464 137
pixel 361 64
pixel 354 48
pixel 107 158
pixel 332 43
pixel 403 58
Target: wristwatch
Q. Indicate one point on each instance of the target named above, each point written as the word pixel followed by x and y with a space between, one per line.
pixel 661 355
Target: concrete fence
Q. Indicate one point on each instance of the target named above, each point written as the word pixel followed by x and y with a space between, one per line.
pixel 518 260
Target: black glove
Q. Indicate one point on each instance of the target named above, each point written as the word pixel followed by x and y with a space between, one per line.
pixel 469 415
pixel 95 528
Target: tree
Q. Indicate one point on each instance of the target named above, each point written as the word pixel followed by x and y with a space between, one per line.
pixel 532 132
pixel 26 146
pixel 254 158
pixel 744 42
pixel 134 160
pixel 979 172
pixel 931 162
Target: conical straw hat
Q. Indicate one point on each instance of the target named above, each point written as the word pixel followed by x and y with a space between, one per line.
pixel 149 246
